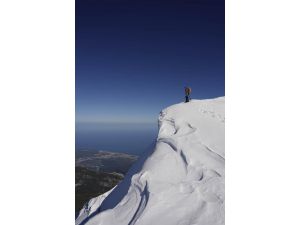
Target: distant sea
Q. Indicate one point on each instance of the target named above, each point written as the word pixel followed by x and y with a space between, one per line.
pixel 116 137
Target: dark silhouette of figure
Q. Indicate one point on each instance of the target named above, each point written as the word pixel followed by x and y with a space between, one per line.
pixel 188 91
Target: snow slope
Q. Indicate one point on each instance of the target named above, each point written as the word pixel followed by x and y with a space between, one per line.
pixel 181 181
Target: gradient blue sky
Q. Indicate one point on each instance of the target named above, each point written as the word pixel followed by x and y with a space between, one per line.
pixel 133 58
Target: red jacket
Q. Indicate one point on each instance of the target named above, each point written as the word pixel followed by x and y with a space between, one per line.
pixel 188 90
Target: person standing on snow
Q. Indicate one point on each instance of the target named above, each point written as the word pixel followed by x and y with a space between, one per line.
pixel 188 91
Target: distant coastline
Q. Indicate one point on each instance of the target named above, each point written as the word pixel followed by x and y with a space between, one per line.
pixel 97 172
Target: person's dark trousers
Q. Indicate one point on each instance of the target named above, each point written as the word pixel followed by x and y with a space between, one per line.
pixel 187 99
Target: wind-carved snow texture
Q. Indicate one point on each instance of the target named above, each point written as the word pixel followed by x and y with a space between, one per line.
pixel 180 181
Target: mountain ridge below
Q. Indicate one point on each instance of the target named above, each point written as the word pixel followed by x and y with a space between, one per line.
pixel 179 181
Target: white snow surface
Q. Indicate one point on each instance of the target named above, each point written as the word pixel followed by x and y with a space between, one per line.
pixel 180 181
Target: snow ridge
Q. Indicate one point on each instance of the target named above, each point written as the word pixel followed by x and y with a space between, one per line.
pixel 180 181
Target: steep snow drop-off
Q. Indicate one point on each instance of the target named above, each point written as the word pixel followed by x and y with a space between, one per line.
pixel 180 182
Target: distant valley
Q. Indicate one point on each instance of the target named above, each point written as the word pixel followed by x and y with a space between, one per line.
pixel 105 161
pixel 96 172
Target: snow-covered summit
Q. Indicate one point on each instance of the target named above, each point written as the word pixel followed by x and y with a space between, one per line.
pixel 181 181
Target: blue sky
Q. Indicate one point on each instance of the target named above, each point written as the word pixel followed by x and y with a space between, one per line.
pixel 134 58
